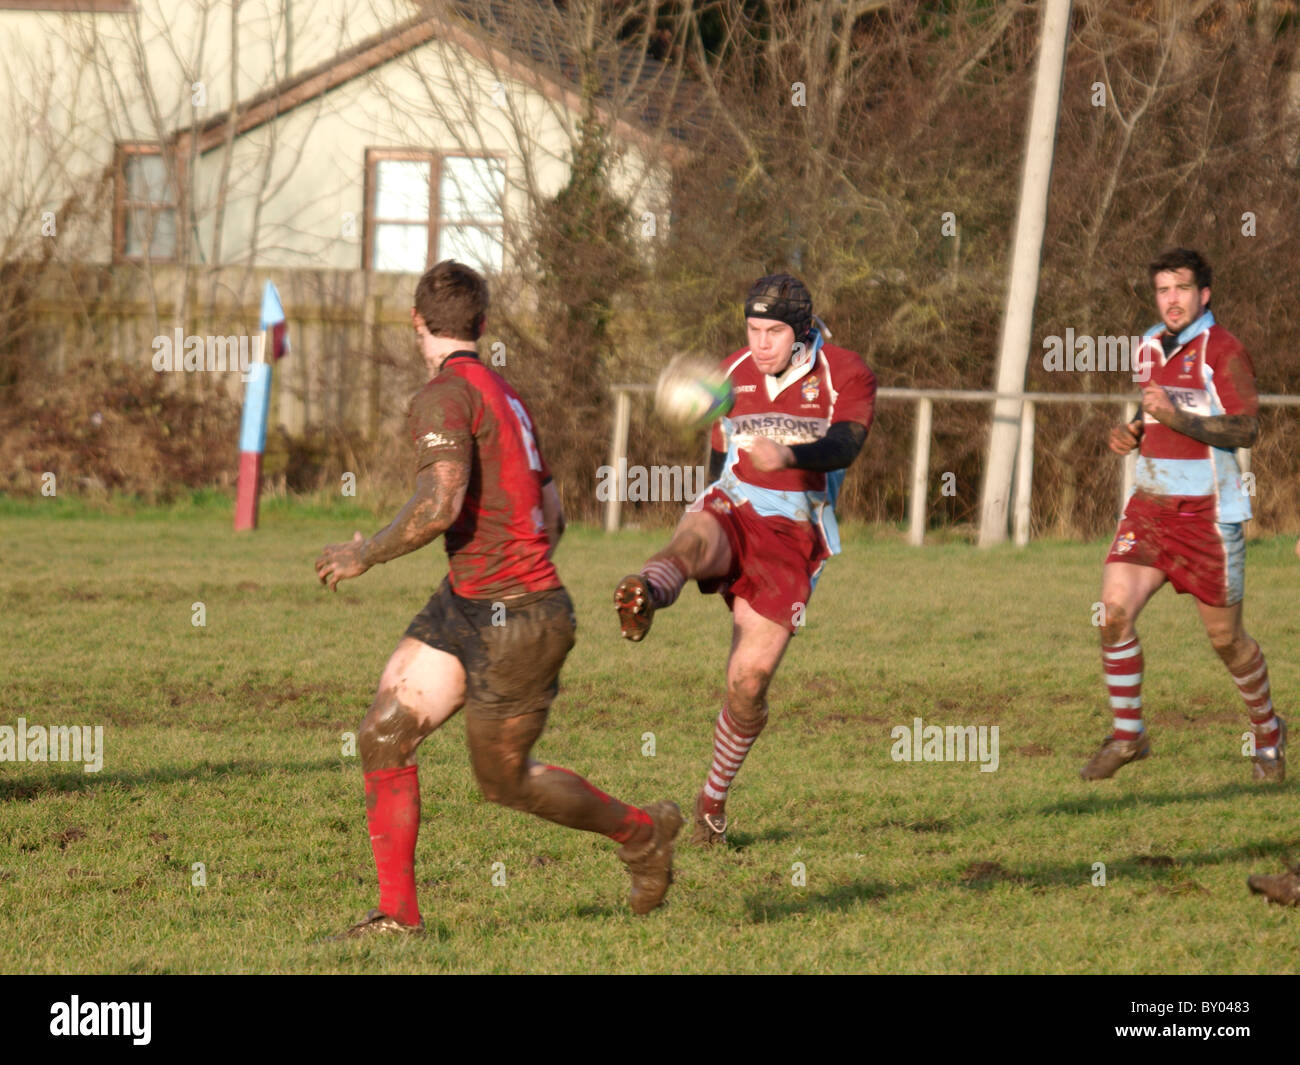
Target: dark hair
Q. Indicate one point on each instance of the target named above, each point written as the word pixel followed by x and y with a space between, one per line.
pixel 1181 259
pixel 453 300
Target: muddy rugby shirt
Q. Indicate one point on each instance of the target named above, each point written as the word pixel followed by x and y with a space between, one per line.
pixel 497 545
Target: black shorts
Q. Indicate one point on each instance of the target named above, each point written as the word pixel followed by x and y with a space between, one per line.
pixel 512 649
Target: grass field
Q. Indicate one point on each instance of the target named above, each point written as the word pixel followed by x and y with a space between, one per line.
pixel 223 746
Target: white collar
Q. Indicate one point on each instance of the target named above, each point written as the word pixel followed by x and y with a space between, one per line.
pixel 780 382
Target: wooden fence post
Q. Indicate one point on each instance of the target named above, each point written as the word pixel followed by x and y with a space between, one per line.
pixel 920 471
pixel 617 451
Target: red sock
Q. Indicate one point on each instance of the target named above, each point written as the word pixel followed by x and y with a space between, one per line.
pixel 393 814
pixel 635 823
pixel 634 820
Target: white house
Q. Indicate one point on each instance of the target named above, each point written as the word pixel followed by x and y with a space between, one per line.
pixel 332 134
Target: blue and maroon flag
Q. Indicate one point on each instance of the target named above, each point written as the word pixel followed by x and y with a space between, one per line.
pixel 273 320
pixel 257 403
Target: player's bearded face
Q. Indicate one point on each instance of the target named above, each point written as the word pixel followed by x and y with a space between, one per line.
pixel 771 343
pixel 1178 299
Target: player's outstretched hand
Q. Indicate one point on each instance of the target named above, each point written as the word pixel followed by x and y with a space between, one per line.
pixel 338 562
pixel 1124 438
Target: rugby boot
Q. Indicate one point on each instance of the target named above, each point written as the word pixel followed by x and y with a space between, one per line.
pixel 375 923
pixel 651 864
pixel 1282 888
pixel 1270 762
pixel 710 829
pixel 1115 753
pixel 635 606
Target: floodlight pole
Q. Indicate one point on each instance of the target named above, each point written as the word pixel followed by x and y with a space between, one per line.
pixel 1022 286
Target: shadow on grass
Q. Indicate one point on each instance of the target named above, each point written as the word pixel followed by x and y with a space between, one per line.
pixel 1168 873
pixel 71 781
pixel 765 908
pixel 1165 874
pixel 1097 803
pixel 592 910
pixel 738 841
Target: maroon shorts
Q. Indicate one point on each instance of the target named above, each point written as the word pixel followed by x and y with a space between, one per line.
pixel 1180 537
pixel 773 560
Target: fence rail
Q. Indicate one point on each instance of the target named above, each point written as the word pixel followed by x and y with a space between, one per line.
pixel 925 398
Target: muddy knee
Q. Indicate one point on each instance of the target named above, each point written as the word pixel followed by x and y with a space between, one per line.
pixel 1115 625
pixel 389 734
pixel 1231 644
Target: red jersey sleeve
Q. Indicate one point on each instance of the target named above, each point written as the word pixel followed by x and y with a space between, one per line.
pixel 855 399
pixel 441 422
pixel 1234 380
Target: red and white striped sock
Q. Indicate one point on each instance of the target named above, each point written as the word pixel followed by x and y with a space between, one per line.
pixel 666 576
pixel 730 746
pixel 1122 665
pixel 1252 682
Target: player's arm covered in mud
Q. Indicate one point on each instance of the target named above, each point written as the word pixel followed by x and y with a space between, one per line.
pixel 1217 430
pixel 439 422
pixel 439 495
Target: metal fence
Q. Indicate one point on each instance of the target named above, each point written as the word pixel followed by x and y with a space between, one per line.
pixel 925 398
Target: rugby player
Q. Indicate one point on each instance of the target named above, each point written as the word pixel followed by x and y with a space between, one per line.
pixel 1282 888
pixel 763 528
pixel 493 636
pixel 1184 522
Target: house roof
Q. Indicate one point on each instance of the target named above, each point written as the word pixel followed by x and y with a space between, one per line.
pixel 527 49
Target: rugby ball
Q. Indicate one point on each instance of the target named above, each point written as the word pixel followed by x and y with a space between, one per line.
pixel 692 392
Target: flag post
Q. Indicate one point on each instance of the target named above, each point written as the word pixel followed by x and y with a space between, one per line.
pixel 257 398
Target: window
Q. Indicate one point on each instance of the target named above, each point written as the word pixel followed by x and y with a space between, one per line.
pixel 422 207
pixel 146 216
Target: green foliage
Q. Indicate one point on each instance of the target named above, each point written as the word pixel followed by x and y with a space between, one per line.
pixel 584 241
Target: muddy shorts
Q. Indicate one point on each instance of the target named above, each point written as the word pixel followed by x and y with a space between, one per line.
pixel 512 649
pixel 1180 537
pixel 774 561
